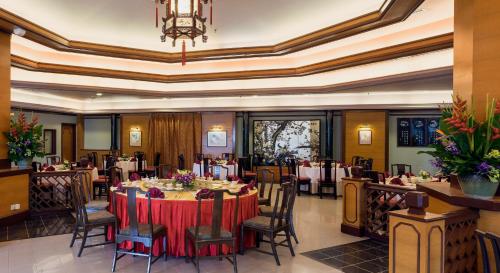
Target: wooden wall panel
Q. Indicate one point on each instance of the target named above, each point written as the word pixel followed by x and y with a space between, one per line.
pixel 377 121
pixel 476 51
pixel 135 122
pixel 4 91
pixel 14 190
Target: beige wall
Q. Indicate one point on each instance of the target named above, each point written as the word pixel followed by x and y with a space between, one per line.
pixel 377 122
pixel 4 93
pixel 130 122
pixel 218 121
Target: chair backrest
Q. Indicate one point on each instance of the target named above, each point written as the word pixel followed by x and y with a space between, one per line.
pixel 140 160
pixel 265 176
pixel 257 160
pixel 356 160
pixel 113 174
pixel 281 203
pixel 217 215
pixel 199 156
pixel 206 165
pixel 494 242
pixel 325 172
pixel 292 166
pixel 295 187
pixel 373 175
pixel 53 160
pixel 227 156
pixel 241 164
pixel 37 166
pixel 280 168
pixel 79 197
pixel 216 171
pixel 156 161
pixel 133 224
pixel 108 161
pixel 164 170
pixel 400 168
pixel 181 162
pixel 367 164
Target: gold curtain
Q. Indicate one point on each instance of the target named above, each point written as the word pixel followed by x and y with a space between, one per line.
pixel 173 134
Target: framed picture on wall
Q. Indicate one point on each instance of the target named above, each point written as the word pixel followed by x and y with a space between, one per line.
pixel 217 139
pixel 365 137
pixel 135 139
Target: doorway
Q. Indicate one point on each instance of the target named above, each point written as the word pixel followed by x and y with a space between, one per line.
pixel 68 142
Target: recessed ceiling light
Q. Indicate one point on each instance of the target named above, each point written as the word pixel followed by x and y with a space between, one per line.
pixel 19 31
pixel 98 94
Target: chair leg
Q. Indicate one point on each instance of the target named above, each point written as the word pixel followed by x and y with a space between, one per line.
pixel 84 239
pixel 235 264
pixel 150 257
pixel 165 242
pixel 219 251
pixel 113 267
pixel 197 258
pixel 273 247
pixel 75 232
pixel 242 240
pixel 292 229
pixel 320 192
pixel 289 241
pixel 309 188
pixel 186 247
pixel 335 190
pixel 106 233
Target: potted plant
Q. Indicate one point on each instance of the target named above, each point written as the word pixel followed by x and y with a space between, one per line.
pixel 470 148
pixel 24 140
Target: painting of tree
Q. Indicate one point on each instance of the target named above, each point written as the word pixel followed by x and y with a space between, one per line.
pixel 274 138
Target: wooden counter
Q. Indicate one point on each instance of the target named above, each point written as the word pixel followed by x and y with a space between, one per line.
pixel 456 197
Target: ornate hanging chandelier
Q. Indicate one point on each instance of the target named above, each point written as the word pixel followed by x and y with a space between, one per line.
pixel 184 21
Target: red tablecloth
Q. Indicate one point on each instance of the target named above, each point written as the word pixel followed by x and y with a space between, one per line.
pixel 177 215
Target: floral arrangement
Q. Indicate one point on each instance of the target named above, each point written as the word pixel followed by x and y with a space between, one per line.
pixel 424 174
pixel 467 146
pixel 24 139
pixel 185 177
pixel 66 164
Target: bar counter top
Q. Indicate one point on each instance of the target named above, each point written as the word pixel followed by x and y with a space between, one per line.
pixel 14 171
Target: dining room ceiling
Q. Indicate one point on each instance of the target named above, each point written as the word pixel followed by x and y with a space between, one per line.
pixel 237 23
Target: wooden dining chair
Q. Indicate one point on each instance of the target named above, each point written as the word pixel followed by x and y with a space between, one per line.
pixel 325 177
pixel 264 177
pixel 181 162
pixel 268 210
pixel 36 166
pixel 86 180
pixel 301 180
pixel 494 242
pixel 356 160
pixel 164 170
pixel 84 162
pixel 53 160
pixel 227 156
pixel 367 164
pixel 135 232
pixel 101 186
pixel 272 226
pixel 400 168
pixel 86 221
pixel 245 170
pixel 93 158
pixel 139 165
pixel 216 171
pixel 284 177
pixel 213 234
pixel 153 170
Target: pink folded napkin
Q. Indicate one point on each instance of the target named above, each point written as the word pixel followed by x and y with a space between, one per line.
pixel 233 178
pixel 244 190
pixel 116 182
pixel 208 174
pixel 197 161
pixel 135 177
pixel 230 162
pixel 397 181
pixel 251 185
pixel 156 193
pixel 133 159
pixel 213 162
pixel 205 194
pixel 50 169
pixel 307 164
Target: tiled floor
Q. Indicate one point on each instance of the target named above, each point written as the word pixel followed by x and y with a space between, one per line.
pixel 38 226
pixel 364 256
pixel 317 225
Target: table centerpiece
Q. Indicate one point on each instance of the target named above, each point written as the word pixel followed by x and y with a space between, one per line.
pixel 469 148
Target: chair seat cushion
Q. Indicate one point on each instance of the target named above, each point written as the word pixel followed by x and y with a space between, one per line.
pixel 101 217
pixel 144 230
pixel 263 201
pixel 205 233
pixel 102 177
pixel 97 205
pixel 260 222
pixel 304 179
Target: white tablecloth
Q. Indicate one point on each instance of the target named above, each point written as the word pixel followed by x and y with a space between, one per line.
pixel 313 173
pixel 232 170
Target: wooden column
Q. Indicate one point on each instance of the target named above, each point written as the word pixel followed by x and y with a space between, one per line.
pixel 354 205
pixel 477 51
pixel 416 237
pixel 4 96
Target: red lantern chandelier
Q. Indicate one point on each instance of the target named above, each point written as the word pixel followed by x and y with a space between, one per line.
pixel 184 21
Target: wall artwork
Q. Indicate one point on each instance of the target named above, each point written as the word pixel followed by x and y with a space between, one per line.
pixel 365 136
pixel 217 139
pixel 417 132
pixel 135 139
pixel 275 138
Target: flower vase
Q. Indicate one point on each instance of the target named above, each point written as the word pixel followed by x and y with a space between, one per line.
pixel 25 163
pixel 477 186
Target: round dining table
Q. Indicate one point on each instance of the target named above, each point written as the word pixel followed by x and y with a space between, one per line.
pixel 177 212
